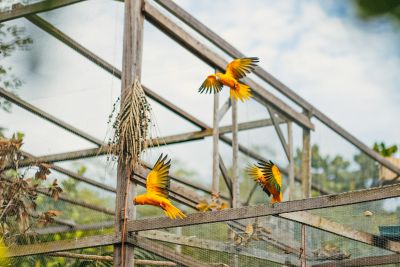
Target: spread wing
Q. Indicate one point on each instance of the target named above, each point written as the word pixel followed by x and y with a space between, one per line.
pixel 239 68
pixel 256 173
pixel 157 180
pixel 271 174
pixel 211 84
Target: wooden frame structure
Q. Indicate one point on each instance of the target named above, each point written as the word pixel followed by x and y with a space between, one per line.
pixel 183 191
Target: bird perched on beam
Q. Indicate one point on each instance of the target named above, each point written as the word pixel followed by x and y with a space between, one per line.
pixel 235 71
pixel 157 186
pixel 268 176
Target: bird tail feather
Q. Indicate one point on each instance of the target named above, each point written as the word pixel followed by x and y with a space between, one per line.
pixel 173 212
pixel 242 92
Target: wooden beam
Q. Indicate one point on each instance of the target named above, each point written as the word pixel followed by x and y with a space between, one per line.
pixel 291 168
pixel 31 108
pixel 274 82
pixel 19 10
pixel 225 176
pixel 215 155
pixel 212 245
pixel 278 131
pixel 364 261
pixel 165 252
pixel 342 199
pixel 224 109
pixel 189 42
pixel 321 223
pixel 77 227
pixel 306 176
pixel 61 245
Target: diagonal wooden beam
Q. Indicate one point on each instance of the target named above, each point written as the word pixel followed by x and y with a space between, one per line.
pixel 189 42
pixel 274 82
pixel 347 198
pixel 225 176
pixel 62 245
pixel 47 116
pixel 364 261
pixel 278 131
pixel 321 223
pixel 19 10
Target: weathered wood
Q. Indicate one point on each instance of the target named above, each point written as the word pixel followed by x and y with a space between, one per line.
pixel 165 252
pixel 215 157
pixel 279 132
pixel 364 261
pixel 62 245
pixel 235 154
pixel 31 108
pixel 225 176
pixel 347 198
pixel 204 53
pixel 212 245
pixel 131 71
pixel 306 164
pixel 291 169
pixel 224 109
pixel 76 227
pixel 321 223
pixel 19 10
pixel 274 82
pixel 109 258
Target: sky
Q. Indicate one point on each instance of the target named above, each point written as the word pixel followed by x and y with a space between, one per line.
pixel 346 68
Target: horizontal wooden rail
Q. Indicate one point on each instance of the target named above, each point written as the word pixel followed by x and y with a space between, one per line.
pixel 266 210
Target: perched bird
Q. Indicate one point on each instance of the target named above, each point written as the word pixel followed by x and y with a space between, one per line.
pixel 268 176
pixel 235 70
pixel 157 185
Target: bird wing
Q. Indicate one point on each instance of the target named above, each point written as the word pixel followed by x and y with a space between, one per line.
pixel 258 176
pixel 157 180
pixel 211 84
pixel 272 174
pixel 238 68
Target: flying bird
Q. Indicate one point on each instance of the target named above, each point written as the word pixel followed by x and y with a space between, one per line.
pixel 235 71
pixel 268 176
pixel 157 185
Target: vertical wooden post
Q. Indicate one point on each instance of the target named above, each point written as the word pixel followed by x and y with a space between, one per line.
pixel 215 164
pixel 131 69
pixel 306 164
pixel 291 160
pixel 303 257
pixel 235 172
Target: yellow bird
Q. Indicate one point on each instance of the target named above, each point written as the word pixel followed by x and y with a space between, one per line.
pixel 157 185
pixel 268 176
pixel 235 70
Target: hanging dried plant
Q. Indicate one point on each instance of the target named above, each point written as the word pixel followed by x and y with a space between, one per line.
pixel 131 127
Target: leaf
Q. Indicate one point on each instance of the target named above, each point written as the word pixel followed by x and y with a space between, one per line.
pixel 55 190
pixel 202 206
pixel 43 171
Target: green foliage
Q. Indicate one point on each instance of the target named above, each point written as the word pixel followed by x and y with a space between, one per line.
pixel 368 9
pixel 12 38
pixel 383 150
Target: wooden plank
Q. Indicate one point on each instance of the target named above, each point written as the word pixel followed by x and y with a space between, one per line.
pixel 31 108
pixel 235 154
pixel 274 82
pixel 215 157
pixel 77 227
pixel 186 40
pixel 225 176
pixel 306 176
pixel 19 10
pixel 364 261
pixel 61 245
pixel 165 252
pixel 321 223
pixel 224 109
pixel 279 132
pixel 211 245
pixel 291 168
pixel 131 71
pixel 342 199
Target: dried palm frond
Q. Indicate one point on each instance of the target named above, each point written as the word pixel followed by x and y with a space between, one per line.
pixel 131 127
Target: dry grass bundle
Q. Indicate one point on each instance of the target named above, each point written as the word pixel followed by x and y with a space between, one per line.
pixel 131 127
